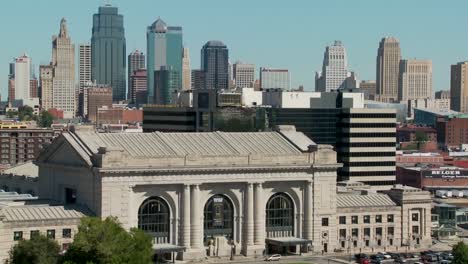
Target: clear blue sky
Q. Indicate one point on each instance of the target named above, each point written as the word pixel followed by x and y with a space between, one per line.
pixel 277 33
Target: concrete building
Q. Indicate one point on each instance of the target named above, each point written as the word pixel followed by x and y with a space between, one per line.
pixel 275 78
pixel 138 93
pixel 108 64
pixel 215 65
pixel 443 94
pixel 136 61
pixel 459 87
pixel 46 80
pixel 243 74
pixel 369 88
pixel 19 84
pixel 165 50
pixel 84 73
pixel 415 80
pixel 63 61
pixel 221 193
pixel 20 178
pixel 388 65
pixel 186 70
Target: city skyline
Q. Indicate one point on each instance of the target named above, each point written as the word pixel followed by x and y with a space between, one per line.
pixel 301 35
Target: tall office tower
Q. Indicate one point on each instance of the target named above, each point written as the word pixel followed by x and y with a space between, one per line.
pixel 369 89
pixel 63 61
pixel 46 80
pixel 198 79
pixel 136 61
pixel 388 65
pixel 334 69
pixel 34 87
pixel 165 49
pixel 11 82
pixel 275 78
pixel 415 81
pixel 139 94
pixel 22 75
pixel 166 82
pixel 459 87
pixel 215 65
pixel 85 64
pixel 186 72
pixel 108 50
pixel 243 74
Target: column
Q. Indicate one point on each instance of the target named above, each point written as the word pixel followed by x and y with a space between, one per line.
pixel 259 216
pixel 195 227
pixel 186 217
pixel 249 222
pixel 308 218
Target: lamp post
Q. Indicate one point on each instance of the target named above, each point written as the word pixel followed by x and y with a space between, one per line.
pixel 349 239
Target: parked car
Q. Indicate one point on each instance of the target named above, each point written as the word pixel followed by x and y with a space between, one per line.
pixel 275 257
pixel 385 255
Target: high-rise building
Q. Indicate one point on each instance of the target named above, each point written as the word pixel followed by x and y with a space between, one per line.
pixel 388 65
pixel 275 78
pixel 459 87
pixel 34 87
pixel 166 82
pixel 165 49
pixel 22 75
pixel 63 61
pixel 108 50
pixel 369 89
pixel 138 94
pixel 46 80
pixel 85 64
pixel 215 65
pixel 334 69
pixel 443 94
pixel 186 71
pixel 415 81
pixel 97 98
pixel 136 61
pixel 198 79
pixel 243 74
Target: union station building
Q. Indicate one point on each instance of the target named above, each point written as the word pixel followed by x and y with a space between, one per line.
pixel 223 194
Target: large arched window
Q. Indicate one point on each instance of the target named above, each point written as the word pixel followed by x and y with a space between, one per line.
pixel 280 216
pixel 218 217
pixel 153 218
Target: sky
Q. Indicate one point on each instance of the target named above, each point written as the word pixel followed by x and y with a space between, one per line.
pixel 289 34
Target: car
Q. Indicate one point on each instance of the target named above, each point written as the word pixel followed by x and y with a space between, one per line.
pixel 445 261
pixel 400 260
pixel 275 257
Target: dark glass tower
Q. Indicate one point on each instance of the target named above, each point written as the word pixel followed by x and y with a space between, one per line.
pixel 108 54
pixel 215 65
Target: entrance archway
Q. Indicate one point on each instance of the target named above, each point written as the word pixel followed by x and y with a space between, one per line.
pixel 153 218
pixel 218 218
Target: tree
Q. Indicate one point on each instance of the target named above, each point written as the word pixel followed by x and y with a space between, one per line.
pixel 39 249
pixel 106 241
pixel 421 137
pixel 460 253
pixel 25 113
pixel 45 119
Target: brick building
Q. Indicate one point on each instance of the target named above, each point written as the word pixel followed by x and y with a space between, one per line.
pixel 433 178
pixel 114 115
pixel 408 133
pixel 97 97
pixel 452 131
pixel 414 158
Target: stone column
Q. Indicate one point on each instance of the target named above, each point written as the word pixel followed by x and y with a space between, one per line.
pixel 186 217
pixel 195 238
pixel 259 216
pixel 249 216
pixel 308 218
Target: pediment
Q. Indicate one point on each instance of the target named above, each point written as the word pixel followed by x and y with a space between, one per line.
pixel 62 152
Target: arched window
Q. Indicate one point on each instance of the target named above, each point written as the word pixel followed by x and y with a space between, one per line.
pixel 218 217
pixel 153 218
pixel 280 216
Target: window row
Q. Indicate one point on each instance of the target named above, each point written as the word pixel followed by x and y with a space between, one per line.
pixel 366 219
pixel 378 231
pixel 66 233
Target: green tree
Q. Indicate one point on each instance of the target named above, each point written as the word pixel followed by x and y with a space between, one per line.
pixel 460 253
pixel 25 113
pixel 106 241
pixel 421 137
pixel 45 119
pixel 12 114
pixel 39 250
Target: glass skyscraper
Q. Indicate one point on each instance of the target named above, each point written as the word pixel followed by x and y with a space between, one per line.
pixel 215 65
pixel 164 51
pixel 108 51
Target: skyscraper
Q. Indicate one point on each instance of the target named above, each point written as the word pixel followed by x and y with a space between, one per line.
pixel 186 71
pixel 388 65
pixel 108 50
pixel 164 48
pixel 46 81
pixel 136 61
pixel 85 64
pixel 22 76
pixel 275 78
pixel 334 69
pixel 459 87
pixel 243 74
pixel 139 94
pixel 63 61
pixel 215 65
pixel 415 81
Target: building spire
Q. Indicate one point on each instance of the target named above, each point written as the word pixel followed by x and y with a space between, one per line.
pixel 63 28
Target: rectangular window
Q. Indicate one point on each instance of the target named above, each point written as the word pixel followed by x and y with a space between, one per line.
pixel 367 219
pixel 378 218
pixel 70 196
pixel 391 230
pixel 342 233
pixel 51 233
pixel 415 217
pixel 66 233
pixel 325 221
pixel 367 243
pixel 342 220
pixel 17 235
pixel 355 232
pixel 415 229
pixel 354 219
pixel 367 231
pixel 390 218
pixel 34 233
pixel 378 231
